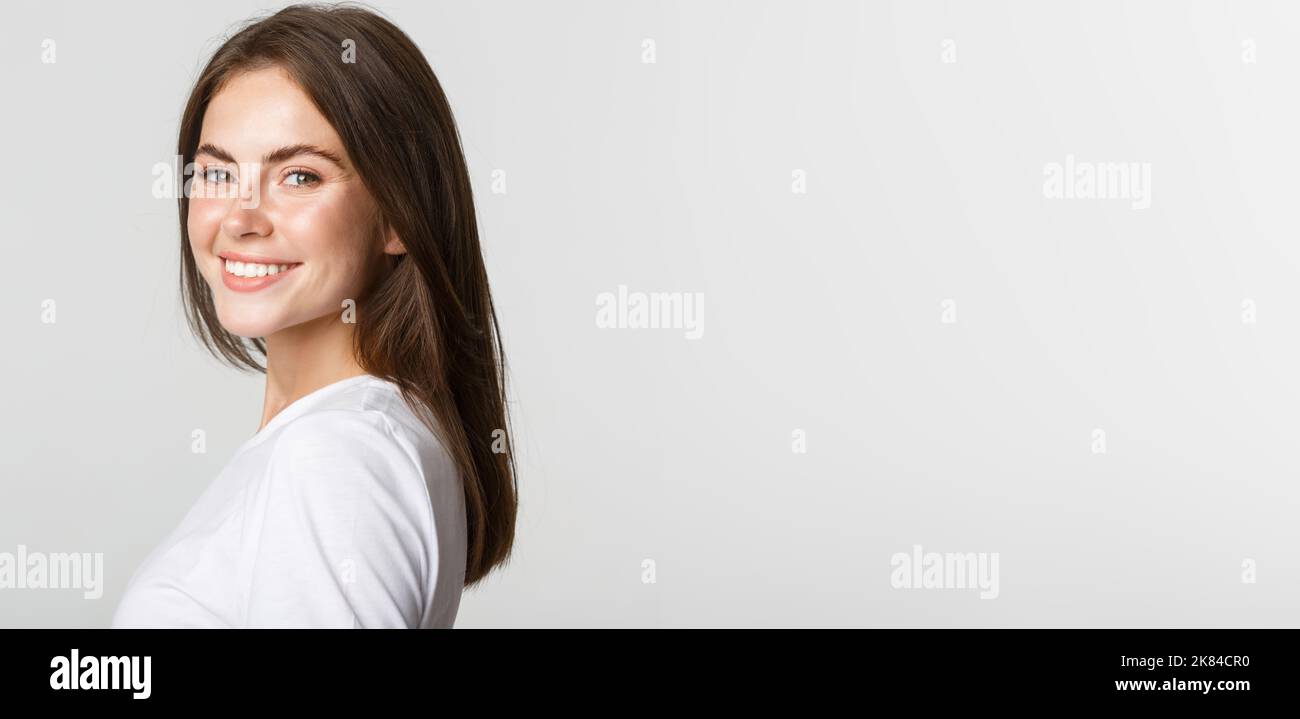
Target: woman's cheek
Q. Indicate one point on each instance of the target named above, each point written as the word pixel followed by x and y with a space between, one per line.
pixel 203 223
pixel 326 236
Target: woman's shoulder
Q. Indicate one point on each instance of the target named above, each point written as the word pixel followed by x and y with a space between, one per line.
pixel 347 526
pixel 367 430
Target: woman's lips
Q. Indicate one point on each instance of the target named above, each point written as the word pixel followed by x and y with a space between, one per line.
pixel 241 274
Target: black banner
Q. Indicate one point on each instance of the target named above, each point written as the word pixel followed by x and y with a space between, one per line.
pixel 919 667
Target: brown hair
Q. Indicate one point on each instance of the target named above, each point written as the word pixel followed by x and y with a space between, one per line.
pixel 429 326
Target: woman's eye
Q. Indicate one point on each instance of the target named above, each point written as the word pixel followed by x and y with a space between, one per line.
pixel 216 175
pixel 301 178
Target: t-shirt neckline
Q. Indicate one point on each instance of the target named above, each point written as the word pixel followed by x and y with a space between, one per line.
pixel 301 405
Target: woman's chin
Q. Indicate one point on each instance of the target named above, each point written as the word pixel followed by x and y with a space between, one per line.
pixel 247 327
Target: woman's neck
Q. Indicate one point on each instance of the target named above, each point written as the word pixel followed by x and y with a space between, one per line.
pixel 304 358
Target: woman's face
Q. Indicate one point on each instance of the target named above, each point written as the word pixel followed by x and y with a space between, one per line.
pixel 280 224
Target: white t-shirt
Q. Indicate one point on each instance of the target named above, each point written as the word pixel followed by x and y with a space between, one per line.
pixel 343 511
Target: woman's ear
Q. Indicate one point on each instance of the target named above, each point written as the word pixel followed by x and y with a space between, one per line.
pixel 392 243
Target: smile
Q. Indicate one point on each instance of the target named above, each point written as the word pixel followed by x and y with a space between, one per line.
pixel 243 273
pixel 253 269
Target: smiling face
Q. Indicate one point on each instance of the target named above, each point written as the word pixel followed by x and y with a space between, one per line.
pixel 281 226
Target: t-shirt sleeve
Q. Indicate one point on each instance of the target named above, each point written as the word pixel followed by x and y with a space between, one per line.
pixel 340 533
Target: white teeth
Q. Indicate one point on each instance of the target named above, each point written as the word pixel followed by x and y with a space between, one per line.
pixel 253 269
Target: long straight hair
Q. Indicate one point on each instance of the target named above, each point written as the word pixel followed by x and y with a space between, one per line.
pixel 429 326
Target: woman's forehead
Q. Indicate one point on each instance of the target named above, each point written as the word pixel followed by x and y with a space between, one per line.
pixel 257 111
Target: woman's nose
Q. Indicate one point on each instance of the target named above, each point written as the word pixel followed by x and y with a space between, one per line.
pixel 241 221
pixel 246 215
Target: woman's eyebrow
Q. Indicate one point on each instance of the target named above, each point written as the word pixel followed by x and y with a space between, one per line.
pixel 270 158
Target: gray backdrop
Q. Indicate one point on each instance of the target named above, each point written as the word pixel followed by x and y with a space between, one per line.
pixel 1103 396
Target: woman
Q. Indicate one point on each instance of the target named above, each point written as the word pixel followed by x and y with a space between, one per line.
pixel 329 228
